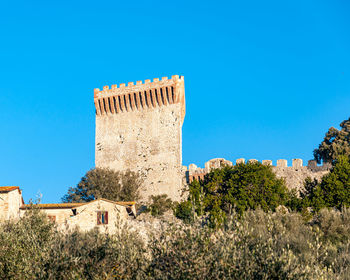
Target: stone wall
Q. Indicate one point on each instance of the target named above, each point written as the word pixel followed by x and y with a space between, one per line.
pixel 86 217
pixel 294 175
pixel 83 216
pixel 10 202
pixel 139 127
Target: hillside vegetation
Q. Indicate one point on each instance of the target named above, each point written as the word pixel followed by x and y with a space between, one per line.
pixel 257 245
pixel 239 222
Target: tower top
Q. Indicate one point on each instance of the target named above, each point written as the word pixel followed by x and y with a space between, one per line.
pixel 139 96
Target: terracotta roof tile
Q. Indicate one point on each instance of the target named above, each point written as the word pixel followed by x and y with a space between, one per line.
pixel 73 205
pixel 53 205
pixel 8 188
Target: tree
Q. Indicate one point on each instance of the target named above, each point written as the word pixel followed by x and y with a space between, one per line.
pixel 312 195
pixel 335 143
pixel 333 190
pixel 105 183
pixel 238 188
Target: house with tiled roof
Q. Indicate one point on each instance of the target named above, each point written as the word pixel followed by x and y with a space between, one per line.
pixel 102 213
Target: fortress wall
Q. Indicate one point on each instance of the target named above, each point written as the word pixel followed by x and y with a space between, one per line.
pixel 294 175
pixel 139 128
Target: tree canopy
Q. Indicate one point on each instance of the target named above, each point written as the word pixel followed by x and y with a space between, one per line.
pixel 333 190
pixel 105 183
pixel 335 143
pixel 238 188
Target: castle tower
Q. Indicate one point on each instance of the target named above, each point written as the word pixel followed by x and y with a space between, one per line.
pixel 139 127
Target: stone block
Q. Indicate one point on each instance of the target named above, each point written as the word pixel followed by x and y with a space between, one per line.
pixel 252 160
pixel 312 164
pixel 267 162
pixel 282 163
pixel 297 163
pixel 192 168
pixel 207 166
pixel 240 160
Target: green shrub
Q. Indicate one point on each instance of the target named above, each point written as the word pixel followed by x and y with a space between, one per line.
pixel 254 245
pixel 184 211
pixel 33 249
pixel 159 205
pixel 258 246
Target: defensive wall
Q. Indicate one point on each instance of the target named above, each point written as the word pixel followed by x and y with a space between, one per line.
pixel 139 127
pixel 294 175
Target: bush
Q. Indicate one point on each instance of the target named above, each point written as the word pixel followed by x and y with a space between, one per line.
pixel 184 211
pixel 159 205
pixel 257 246
pixel 32 248
pixel 254 245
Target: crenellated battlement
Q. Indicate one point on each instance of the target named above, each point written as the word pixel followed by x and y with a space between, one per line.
pixel 294 175
pixel 140 95
pixel 280 163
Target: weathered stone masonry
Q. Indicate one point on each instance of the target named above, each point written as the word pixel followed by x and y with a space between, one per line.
pixel 139 127
pixel 294 175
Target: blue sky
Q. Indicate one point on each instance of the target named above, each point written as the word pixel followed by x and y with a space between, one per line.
pixel 264 79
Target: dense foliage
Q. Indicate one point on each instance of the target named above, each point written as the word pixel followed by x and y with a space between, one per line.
pixel 333 190
pixel 159 205
pixel 33 249
pixel 106 183
pixel 258 245
pixel 237 188
pixel 336 143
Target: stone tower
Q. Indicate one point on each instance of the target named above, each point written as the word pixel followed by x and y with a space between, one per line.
pixel 139 127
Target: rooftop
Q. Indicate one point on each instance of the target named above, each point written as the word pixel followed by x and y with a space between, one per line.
pixel 73 205
pixel 8 188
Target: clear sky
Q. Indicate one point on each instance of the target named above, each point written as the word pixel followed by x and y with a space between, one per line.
pixel 263 79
